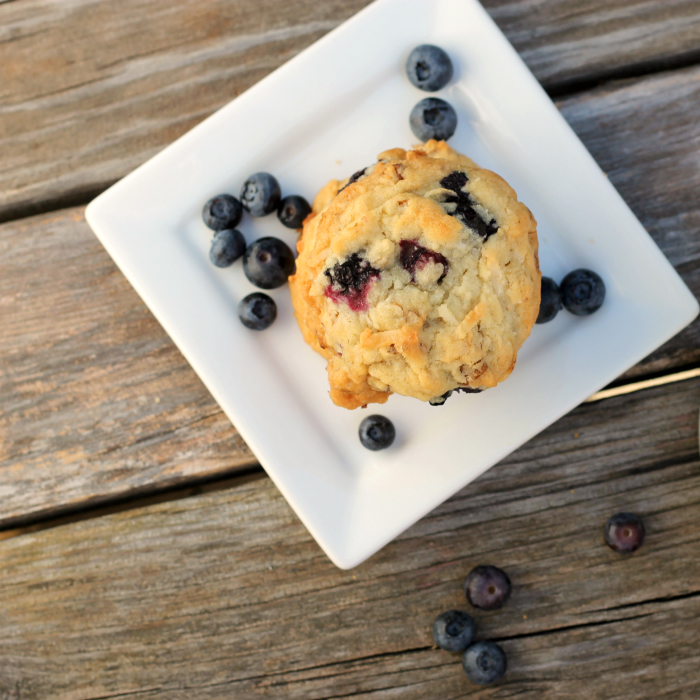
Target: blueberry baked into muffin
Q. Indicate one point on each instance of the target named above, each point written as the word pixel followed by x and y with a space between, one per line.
pixel 417 276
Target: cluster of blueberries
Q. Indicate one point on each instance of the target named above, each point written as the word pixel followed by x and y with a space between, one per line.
pixel 429 68
pixel 267 262
pixel 488 588
pixel 581 292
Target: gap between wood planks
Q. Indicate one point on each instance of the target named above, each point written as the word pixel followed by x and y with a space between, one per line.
pixel 644 69
pixel 195 487
pixel 108 506
pixel 556 91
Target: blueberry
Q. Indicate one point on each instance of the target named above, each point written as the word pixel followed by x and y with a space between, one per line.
pixel 268 262
pixel 293 210
pixel 624 533
pixel 377 432
pixel 484 663
pixel 487 587
pixel 440 400
pixel 551 300
pixel 429 68
pixel 464 205
pixel 226 247
pixel 582 292
pixel 257 311
pixel 453 630
pixel 354 178
pixel 414 257
pixel 260 194
pixel 433 118
pixel 350 282
pixel 222 211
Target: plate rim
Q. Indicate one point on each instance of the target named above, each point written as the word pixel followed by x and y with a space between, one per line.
pixel 95 216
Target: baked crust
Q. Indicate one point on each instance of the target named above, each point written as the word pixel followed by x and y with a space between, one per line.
pixel 417 276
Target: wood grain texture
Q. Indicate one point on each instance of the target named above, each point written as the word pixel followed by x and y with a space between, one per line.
pixel 90 89
pixel 646 136
pixel 565 42
pixel 225 594
pixel 83 363
pixel 95 400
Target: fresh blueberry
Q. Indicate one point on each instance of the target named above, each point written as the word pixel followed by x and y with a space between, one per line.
pixel 260 194
pixel 582 292
pixel 433 118
pixel 257 311
pixel 551 301
pixel 226 247
pixel 487 587
pixel 268 262
pixel 377 432
pixel 221 212
pixel 453 630
pixel 293 210
pixel 625 533
pixel 429 68
pixel 484 663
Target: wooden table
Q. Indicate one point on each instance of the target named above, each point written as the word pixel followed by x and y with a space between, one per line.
pixel 146 555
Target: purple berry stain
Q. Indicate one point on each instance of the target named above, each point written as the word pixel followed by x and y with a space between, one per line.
pixel 350 282
pixel 415 257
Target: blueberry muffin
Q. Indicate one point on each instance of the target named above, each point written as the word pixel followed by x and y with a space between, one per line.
pixel 417 276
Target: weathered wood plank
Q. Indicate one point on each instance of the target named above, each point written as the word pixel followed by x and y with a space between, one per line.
pixel 646 136
pixel 226 595
pixel 568 41
pixel 59 363
pixel 90 90
pixel 95 400
pixel 74 118
pixel 83 362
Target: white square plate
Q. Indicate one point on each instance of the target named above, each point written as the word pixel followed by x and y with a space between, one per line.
pixel 323 115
